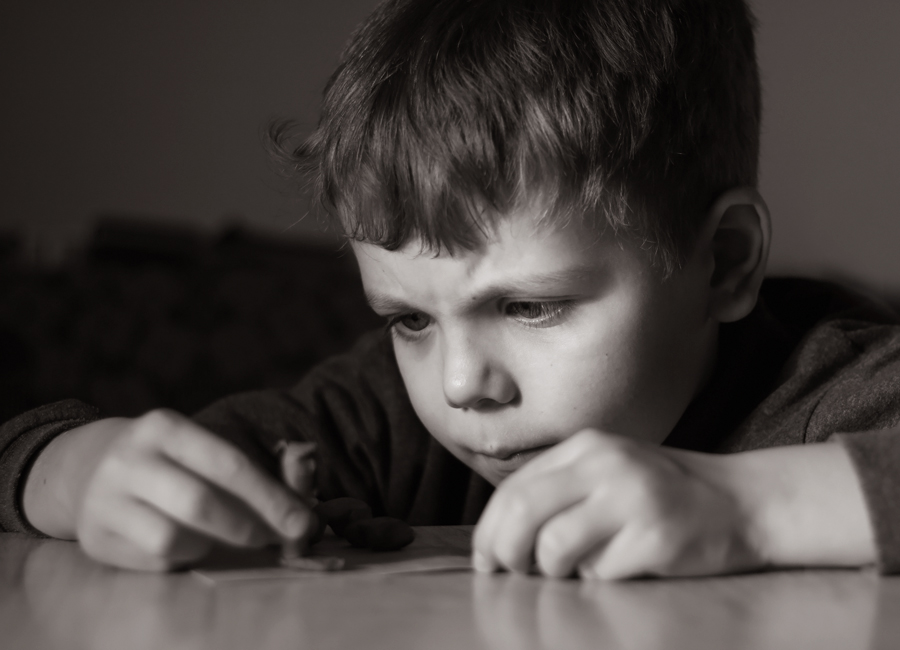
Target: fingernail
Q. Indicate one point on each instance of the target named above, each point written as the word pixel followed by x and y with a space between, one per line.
pixel 481 563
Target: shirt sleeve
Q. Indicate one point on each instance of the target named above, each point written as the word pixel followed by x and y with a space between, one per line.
pixel 861 409
pixel 21 440
pixel 876 458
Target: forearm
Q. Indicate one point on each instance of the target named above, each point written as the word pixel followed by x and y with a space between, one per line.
pixel 804 505
pixel 57 480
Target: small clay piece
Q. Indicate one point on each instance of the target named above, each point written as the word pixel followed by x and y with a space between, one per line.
pixel 388 534
pixel 338 513
pixel 379 534
pixel 356 532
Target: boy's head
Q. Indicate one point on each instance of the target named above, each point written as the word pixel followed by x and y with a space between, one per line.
pixel 541 197
pixel 630 114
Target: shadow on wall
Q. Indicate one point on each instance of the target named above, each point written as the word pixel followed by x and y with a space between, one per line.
pixel 149 315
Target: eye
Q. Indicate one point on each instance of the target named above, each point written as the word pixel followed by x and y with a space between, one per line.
pixel 414 322
pixel 539 313
pixel 408 326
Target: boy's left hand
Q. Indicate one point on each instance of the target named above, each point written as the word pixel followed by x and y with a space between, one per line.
pixel 613 507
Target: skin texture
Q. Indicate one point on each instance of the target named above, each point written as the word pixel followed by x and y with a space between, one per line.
pixel 553 361
pixel 511 348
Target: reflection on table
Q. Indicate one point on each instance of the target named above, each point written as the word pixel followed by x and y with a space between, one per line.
pixel 52 596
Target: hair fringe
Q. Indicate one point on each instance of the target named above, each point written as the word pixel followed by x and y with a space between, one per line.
pixel 444 115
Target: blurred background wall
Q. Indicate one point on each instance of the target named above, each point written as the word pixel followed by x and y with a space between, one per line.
pixel 155 109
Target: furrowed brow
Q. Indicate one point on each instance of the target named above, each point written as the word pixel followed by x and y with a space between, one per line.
pixel 537 283
pixel 383 304
pixel 530 285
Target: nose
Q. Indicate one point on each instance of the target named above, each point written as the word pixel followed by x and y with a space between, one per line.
pixel 474 375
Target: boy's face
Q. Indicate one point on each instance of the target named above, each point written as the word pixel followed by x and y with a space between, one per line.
pixel 542 332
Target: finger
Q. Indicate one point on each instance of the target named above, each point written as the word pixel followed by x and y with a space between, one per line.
pixel 632 553
pixel 563 455
pixel 224 465
pixel 573 535
pixel 515 514
pixel 568 454
pixel 196 504
pixel 113 549
pixel 138 536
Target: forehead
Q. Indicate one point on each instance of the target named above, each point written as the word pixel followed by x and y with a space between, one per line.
pixel 522 254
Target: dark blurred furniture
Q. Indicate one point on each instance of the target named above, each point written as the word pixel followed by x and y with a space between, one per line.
pixel 150 316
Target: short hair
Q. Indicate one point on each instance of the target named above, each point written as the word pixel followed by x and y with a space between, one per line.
pixel 444 115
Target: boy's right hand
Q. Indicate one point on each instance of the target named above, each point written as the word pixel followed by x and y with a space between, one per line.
pixel 156 492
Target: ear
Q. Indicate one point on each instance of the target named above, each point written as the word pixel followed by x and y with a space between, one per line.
pixel 741 232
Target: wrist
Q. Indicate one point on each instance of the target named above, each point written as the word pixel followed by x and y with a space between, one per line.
pixel 802 505
pixel 56 482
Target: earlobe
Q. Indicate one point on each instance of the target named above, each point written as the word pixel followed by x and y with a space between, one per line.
pixel 740 239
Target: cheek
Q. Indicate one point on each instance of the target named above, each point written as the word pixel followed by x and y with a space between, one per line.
pixel 649 368
pixel 582 384
pixel 421 373
pixel 614 372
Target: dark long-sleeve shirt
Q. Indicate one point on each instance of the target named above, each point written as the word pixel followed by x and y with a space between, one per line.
pixel 811 363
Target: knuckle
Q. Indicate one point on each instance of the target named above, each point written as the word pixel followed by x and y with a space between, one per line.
pixel 609 458
pixel 551 552
pixel 618 450
pixel 195 505
pixel 591 468
pixel 116 466
pixel 658 553
pixel 154 426
pixel 552 541
pixel 589 436
pixel 518 507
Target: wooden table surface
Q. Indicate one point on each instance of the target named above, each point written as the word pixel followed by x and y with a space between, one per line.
pixel 52 596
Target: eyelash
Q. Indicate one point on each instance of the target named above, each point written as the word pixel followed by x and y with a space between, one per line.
pixel 549 313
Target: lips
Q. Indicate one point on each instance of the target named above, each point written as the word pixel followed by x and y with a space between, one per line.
pixel 508 462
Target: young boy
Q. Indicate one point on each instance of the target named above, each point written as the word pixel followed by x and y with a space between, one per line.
pixel 552 204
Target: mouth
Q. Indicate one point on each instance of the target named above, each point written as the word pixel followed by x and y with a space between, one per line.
pixel 505 464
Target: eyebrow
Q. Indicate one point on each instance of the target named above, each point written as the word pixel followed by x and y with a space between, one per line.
pixel 384 303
